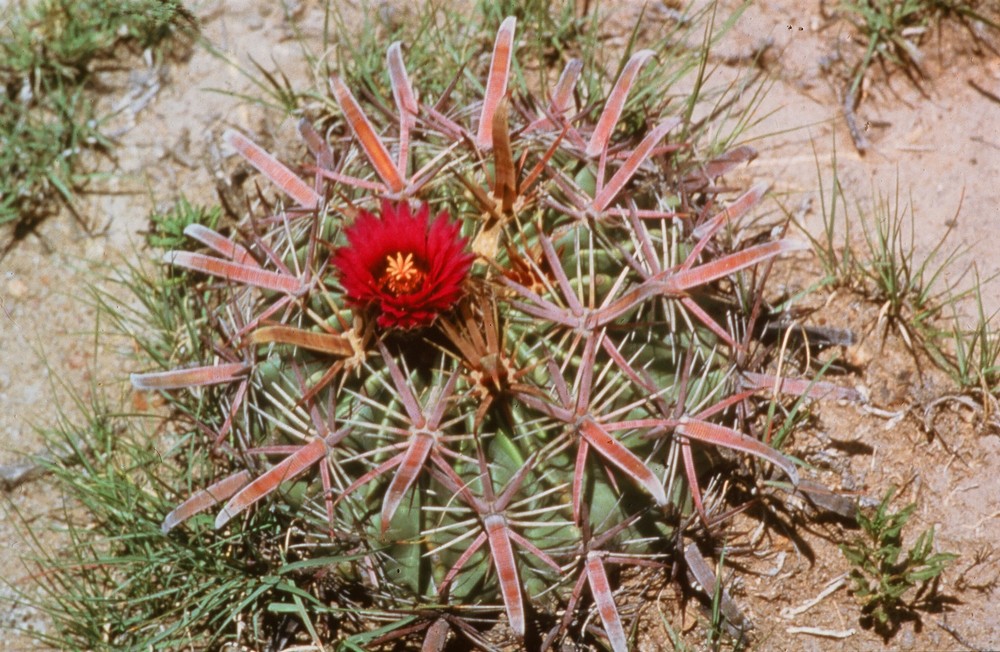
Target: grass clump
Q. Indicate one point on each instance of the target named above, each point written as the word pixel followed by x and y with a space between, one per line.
pixel 49 51
pixel 892 33
pixel 973 357
pixel 120 584
pixel 893 30
pixel 909 289
pixel 167 228
pixel 914 292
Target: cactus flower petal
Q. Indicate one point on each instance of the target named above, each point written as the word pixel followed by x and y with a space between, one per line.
pixel 407 268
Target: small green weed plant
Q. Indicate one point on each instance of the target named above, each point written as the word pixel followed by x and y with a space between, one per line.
pixel 889 585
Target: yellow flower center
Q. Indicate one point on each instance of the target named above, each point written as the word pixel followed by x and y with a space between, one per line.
pixel 402 276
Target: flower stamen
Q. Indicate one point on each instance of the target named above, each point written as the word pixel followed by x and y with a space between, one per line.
pixel 402 276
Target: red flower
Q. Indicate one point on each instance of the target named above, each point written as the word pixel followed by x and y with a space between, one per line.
pixel 407 267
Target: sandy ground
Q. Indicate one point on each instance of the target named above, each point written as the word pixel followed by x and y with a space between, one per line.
pixel 940 146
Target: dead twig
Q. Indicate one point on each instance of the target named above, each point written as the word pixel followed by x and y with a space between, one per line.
pixel 861 142
pixel 21 472
pixel 702 573
pixel 824 633
pixel 959 638
pixel 32 468
pixel 986 412
pixel 789 613
pixel 982 91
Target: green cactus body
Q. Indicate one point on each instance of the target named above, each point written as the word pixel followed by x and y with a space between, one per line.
pixel 532 418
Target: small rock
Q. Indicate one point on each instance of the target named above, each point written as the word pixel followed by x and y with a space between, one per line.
pixel 96 248
pixel 859 355
pixel 16 288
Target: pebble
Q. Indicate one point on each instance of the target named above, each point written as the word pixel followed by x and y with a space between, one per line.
pixel 96 248
pixel 16 288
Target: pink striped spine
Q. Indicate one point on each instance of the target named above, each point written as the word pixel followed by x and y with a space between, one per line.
pixel 705 318
pixel 406 102
pixel 236 272
pixel 600 587
pixel 205 499
pixel 616 102
pixel 273 169
pixel 220 244
pixel 733 212
pixel 372 145
pixel 496 83
pixel 564 87
pixel 193 377
pixel 287 469
pixel 506 565
pixel 615 452
pixel 582 447
pixel 410 467
pixel 316 144
pixel 561 96
pixel 815 389
pixel 632 163
pixel 717 435
pixel 678 282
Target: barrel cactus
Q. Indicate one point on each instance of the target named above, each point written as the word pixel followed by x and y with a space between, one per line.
pixel 474 357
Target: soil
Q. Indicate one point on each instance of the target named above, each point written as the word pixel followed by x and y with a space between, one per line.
pixel 938 143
